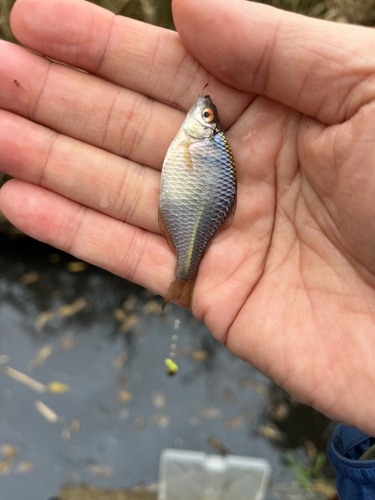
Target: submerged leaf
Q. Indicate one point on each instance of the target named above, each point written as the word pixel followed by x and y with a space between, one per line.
pixel 56 387
pixel 124 396
pixel 42 319
pixel 74 308
pixel 46 412
pixel 76 266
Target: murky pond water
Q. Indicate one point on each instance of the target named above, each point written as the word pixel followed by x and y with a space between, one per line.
pixel 113 408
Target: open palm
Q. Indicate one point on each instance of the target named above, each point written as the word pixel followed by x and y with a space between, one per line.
pixel 289 286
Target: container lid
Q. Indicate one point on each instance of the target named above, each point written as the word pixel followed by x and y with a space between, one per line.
pixel 190 475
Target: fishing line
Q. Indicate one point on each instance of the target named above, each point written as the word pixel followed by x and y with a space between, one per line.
pixel 208 81
pixel 171 365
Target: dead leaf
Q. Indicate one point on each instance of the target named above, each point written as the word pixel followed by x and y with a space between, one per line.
pixel 129 322
pixel 40 358
pixel 193 421
pixel 56 387
pixel 161 420
pixel 124 396
pixel 76 266
pixel 8 450
pixel 228 397
pixel 270 433
pixel 119 360
pixel 158 400
pixel 255 384
pixel 217 445
pixel 5 466
pixel 46 412
pixel 182 352
pixel 200 355
pixel 233 422
pixel 4 358
pixel 29 278
pixel 24 467
pixel 42 319
pixel 119 314
pixel 311 450
pixel 54 258
pixel 25 379
pixel 247 415
pixel 152 306
pixel 139 423
pixel 103 471
pixel 20 267
pixel 73 478
pixel 324 488
pixel 65 435
pixel 210 413
pixel 74 308
pixel 146 294
pixel 129 303
pixel 67 342
pixel 74 425
pixel 123 414
pixel 281 411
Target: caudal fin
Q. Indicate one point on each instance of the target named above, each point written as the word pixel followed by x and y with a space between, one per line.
pixel 180 292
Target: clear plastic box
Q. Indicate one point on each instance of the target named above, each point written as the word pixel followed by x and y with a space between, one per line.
pixel 189 475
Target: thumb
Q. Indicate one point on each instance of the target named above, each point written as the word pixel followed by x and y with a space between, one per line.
pixel 317 67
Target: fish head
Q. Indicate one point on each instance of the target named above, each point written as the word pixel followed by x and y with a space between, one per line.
pixel 202 121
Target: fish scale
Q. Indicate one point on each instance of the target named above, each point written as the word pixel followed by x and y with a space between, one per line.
pixel 198 190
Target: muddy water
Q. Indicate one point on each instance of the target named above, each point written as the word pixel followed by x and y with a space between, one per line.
pixel 114 408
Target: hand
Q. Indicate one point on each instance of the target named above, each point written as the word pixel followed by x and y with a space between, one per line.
pixel 289 286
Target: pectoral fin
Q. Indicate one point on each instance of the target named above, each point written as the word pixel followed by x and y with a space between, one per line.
pixel 164 231
pixel 184 151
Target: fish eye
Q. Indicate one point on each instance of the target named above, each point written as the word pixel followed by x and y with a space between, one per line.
pixel 208 115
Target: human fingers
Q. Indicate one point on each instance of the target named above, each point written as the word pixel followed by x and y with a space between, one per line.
pixel 135 55
pixel 121 248
pixel 87 175
pixel 85 107
pixel 320 68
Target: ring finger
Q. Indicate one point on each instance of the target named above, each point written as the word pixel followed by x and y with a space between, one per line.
pixel 90 176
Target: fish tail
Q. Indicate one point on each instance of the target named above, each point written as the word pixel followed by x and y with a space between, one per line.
pixel 180 292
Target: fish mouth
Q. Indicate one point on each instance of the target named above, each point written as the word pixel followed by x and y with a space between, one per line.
pixel 204 101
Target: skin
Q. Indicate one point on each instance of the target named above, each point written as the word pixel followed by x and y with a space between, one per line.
pixel 289 286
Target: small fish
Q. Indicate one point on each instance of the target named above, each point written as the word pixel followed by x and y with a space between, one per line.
pixel 197 194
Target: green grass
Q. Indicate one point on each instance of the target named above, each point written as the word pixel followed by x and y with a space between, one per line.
pixel 308 474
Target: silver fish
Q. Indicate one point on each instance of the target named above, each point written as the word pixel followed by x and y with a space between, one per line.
pixel 197 194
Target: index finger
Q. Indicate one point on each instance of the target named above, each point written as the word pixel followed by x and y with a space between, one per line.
pixel 135 55
pixel 323 69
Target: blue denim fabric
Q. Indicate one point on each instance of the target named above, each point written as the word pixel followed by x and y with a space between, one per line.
pixel 355 479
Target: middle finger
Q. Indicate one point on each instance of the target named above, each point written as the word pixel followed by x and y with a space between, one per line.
pixel 86 107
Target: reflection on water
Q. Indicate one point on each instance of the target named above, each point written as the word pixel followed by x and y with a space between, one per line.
pixel 102 407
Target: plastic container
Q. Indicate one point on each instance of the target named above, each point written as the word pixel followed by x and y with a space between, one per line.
pixel 189 475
